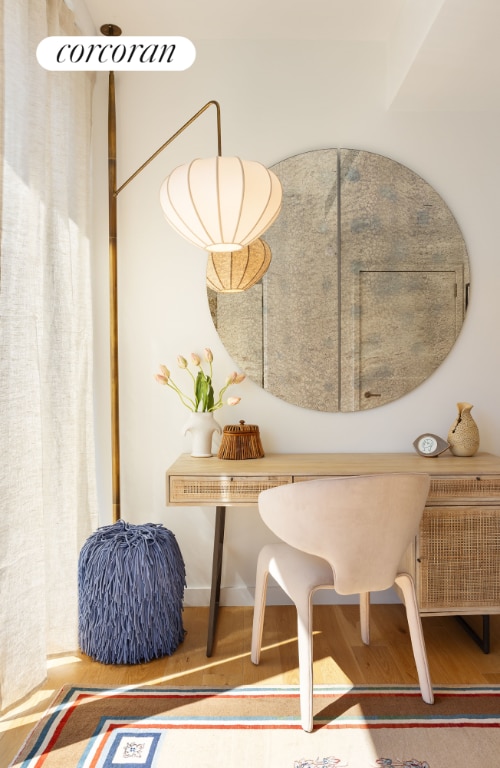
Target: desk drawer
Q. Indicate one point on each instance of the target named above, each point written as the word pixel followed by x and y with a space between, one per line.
pixel 305 478
pixel 483 489
pixel 230 491
pixel 451 490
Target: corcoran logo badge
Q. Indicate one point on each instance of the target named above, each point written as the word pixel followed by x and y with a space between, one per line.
pixel 115 53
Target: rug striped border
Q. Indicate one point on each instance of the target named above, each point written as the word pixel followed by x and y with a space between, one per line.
pixel 47 733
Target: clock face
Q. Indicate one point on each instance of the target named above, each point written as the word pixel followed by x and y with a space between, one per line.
pixel 430 445
pixel 427 444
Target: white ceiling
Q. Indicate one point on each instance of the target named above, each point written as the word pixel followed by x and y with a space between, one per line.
pixel 442 54
pixel 254 20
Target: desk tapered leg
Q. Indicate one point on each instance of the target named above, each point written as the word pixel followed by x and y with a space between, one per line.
pixel 220 522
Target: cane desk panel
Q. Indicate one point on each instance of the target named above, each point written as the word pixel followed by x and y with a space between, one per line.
pixel 464 490
pixel 458 560
pixel 229 490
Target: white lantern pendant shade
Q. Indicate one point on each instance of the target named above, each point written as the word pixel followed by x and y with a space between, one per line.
pixel 238 270
pixel 221 203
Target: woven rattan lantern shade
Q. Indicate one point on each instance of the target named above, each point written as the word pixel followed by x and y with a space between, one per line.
pixel 238 270
pixel 221 203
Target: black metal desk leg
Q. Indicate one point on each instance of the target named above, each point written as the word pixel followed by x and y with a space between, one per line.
pixel 484 641
pixel 220 522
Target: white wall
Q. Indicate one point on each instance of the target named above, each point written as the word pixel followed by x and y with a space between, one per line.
pixel 277 99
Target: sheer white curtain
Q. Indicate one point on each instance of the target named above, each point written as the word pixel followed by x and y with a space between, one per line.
pixel 47 490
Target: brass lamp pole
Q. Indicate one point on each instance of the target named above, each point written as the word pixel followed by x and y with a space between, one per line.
pixel 113 192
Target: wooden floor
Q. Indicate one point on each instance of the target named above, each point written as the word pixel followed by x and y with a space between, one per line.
pixel 339 657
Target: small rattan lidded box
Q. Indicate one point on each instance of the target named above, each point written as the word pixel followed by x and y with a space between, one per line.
pixel 240 441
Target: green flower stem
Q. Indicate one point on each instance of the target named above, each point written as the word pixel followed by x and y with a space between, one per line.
pixel 186 401
pixel 219 402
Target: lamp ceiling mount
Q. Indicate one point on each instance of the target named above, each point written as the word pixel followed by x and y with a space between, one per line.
pixel 111 30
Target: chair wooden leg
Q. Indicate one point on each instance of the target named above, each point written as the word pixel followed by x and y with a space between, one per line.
pixel 405 582
pixel 259 606
pixel 364 616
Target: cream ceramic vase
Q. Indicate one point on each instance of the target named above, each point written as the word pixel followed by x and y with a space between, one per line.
pixel 201 425
pixel 463 436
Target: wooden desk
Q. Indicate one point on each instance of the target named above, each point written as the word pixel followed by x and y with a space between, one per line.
pixel 455 559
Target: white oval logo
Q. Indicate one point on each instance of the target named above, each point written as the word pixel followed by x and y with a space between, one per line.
pixel 64 53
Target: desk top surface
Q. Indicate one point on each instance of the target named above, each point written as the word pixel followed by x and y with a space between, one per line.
pixel 335 464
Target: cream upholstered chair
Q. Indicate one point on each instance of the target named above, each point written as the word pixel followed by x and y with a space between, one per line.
pixel 346 533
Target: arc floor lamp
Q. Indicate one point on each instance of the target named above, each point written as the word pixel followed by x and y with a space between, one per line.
pixel 220 204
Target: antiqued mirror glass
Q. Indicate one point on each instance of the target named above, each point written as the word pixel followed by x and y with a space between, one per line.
pixel 367 288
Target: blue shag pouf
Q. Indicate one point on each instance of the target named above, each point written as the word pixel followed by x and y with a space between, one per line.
pixel 131 581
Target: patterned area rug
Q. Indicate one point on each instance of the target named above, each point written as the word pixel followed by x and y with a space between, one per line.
pixel 359 727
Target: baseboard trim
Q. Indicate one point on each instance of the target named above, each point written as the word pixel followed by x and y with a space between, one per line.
pixel 243 596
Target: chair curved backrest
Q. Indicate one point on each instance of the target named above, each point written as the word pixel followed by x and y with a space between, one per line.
pixel 361 525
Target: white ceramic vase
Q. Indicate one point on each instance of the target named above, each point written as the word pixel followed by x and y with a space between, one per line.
pixel 201 425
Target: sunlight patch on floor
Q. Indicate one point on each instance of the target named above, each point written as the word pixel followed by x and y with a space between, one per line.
pixel 61 661
pixel 21 715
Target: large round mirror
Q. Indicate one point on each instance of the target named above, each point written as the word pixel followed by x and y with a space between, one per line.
pixel 367 288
